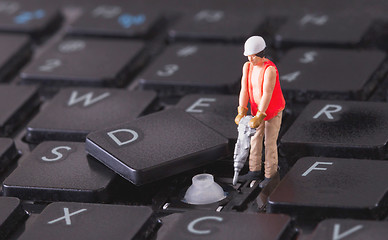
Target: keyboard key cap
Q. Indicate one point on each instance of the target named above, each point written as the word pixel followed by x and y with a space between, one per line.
pixel 86 110
pixel 308 74
pixel 224 22
pixel 88 62
pixel 11 213
pixel 59 171
pixel 350 229
pixel 182 69
pixel 215 111
pixel 8 152
pixel 91 221
pixel 15 51
pixel 332 187
pixel 381 92
pixel 33 17
pixel 323 29
pixel 117 19
pixel 215 225
pixel 338 129
pixel 156 146
pixel 16 104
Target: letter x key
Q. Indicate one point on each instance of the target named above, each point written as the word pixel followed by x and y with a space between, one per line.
pixel 70 220
pixel 67 216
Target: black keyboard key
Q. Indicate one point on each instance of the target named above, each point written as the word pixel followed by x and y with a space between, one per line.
pixel 75 112
pixel 88 62
pixel 215 111
pixel 8 152
pixel 193 68
pixel 332 187
pixel 350 229
pixel 308 74
pixel 215 225
pixel 11 213
pixel 117 19
pixel 16 104
pixel 233 22
pixel 156 146
pixel 381 92
pixel 338 129
pixel 91 221
pixel 15 51
pixel 29 16
pixel 323 29
pixel 59 171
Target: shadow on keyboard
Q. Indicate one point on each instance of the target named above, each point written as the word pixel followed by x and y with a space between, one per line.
pixel 108 109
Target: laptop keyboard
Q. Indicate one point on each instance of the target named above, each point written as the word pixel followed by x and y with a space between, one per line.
pixel 108 109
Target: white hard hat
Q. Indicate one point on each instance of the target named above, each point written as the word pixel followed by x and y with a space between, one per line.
pixel 254 45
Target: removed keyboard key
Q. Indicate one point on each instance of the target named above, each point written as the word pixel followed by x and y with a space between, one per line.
pixel 156 146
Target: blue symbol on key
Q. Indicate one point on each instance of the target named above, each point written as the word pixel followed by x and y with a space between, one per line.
pixel 25 17
pixel 127 20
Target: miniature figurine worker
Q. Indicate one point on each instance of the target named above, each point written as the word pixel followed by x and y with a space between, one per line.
pixel 260 84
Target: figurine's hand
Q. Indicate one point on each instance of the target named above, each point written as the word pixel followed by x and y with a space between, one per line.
pixel 242 112
pixel 238 118
pixel 257 120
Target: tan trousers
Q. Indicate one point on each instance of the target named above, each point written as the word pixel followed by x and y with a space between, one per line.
pixel 269 129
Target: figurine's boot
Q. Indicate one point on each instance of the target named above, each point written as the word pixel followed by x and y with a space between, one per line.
pixel 273 180
pixel 265 182
pixel 250 176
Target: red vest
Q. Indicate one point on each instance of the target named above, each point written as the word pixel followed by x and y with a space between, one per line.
pixel 277 102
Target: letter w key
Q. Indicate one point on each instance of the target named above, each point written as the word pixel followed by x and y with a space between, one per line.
pixel 86 110
pixel 87 99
